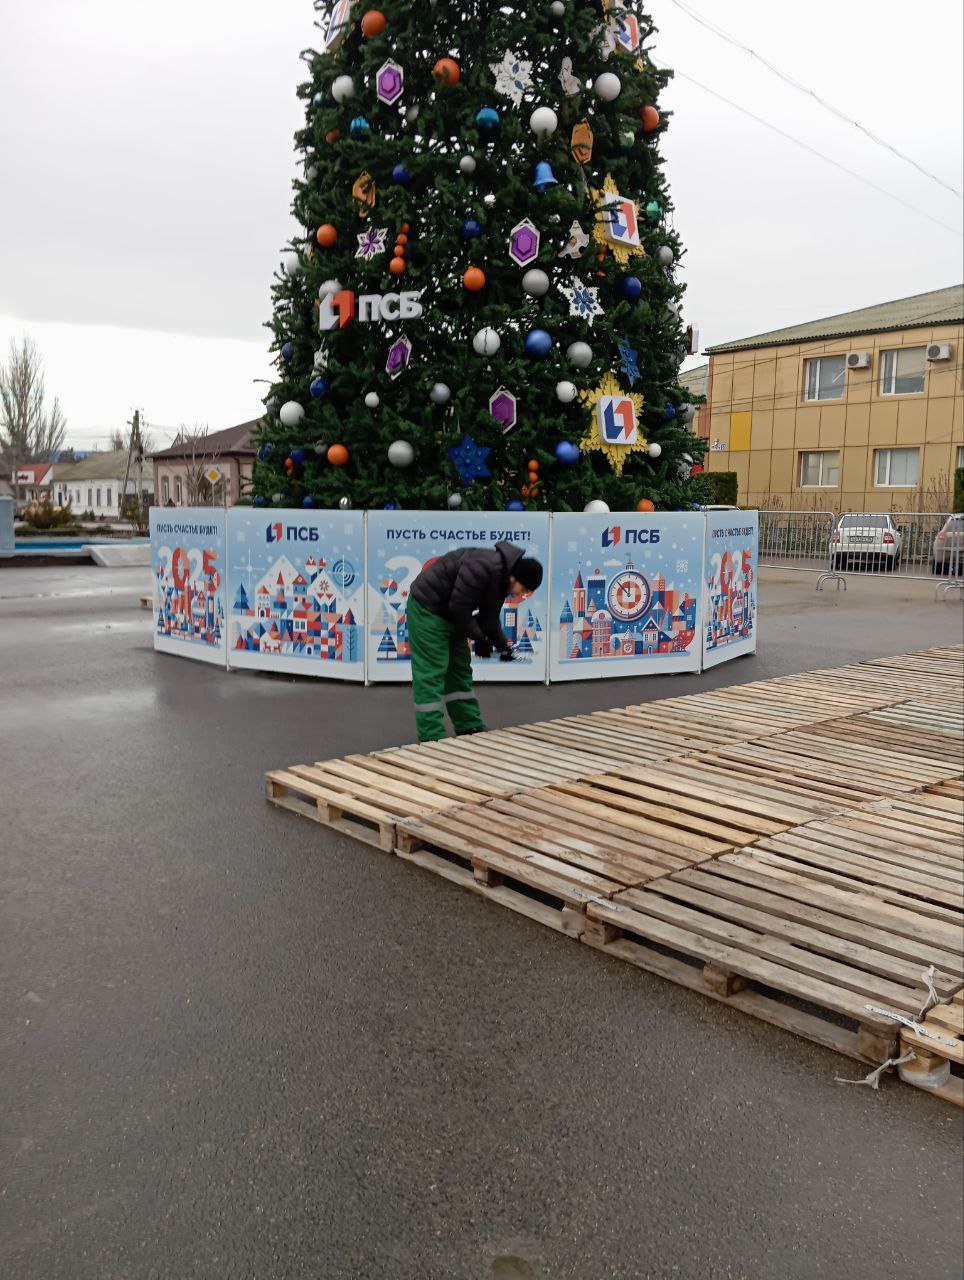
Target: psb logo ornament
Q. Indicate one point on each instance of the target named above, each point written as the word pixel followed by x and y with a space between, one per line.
pixel 623 228
pixel 616 418
pixel 337 311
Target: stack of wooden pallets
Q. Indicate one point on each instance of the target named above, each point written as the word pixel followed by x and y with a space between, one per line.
pixel 790 846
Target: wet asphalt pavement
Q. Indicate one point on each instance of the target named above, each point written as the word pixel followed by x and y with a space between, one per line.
pixel 234 1044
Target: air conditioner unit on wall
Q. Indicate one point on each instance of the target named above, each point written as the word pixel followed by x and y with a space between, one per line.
pixel 858 360
pixel 939 351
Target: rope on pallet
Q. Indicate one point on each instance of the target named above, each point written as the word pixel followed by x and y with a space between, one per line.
pixel 932 997
pixel 873 1079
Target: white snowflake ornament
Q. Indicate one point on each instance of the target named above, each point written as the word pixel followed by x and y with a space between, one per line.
pixel 371 243
pixel 578 240
pixel 513 76
pixel 583 301
pixel 571 84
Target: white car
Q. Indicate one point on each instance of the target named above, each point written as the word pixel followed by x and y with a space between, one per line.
pixel 861 540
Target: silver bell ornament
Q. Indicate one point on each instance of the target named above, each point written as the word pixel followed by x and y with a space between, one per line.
pixel 440 394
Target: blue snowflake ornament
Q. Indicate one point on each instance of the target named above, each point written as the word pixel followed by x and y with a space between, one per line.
pixel 469 459
pixel 629 362
pixel 583 301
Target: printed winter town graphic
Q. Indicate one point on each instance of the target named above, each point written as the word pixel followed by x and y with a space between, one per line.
pixel 730 589
pixel 187 563
pixel 620 613
pixel 296 592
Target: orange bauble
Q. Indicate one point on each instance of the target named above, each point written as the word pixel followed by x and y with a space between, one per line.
pixel 447 71
pixel 401 239
pixel 474 279
pixel 405 228
pixel 644 504
pixel 326 235
pixel 373 23
pixel 533 464
pixel 332 136
pixel 650 118
pixel 337 455
pixel 397 266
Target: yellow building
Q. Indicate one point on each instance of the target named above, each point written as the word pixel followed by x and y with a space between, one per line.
pixel 858 412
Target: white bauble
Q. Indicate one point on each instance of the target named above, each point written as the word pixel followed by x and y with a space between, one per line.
pixel 344 503
pixel 329 288
pixel 372 400
pixel 654 449
pixel 411 114
pixel 579 354
pixel 401 454
pixel 607 87
pixel 291 413
pixel 596 507
pixel 674 309
pixel 665 256
pixel 467 164
pixel 557 8
pixel 686 413
pixel 440 394
pixel 486 342
pixel 688 458
pixel 290 263
pixel 454 501
pixel 543 122
pixel 566 392
pixel 535 283
pixel 489 200
pixel 311 172
pixel 343 88
pixel 276 499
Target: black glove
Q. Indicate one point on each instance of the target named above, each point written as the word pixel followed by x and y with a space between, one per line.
pixel 483 649
pixel 507 655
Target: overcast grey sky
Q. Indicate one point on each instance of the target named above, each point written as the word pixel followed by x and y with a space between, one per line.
pixel 147 158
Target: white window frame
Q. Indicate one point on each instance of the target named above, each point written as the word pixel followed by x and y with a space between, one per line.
pixel 817 361
pixel 960 455
pixel 165 490
pixel 177 491
pixel 880 455
pixel 110 498
pixel 888 377
pixel 823 455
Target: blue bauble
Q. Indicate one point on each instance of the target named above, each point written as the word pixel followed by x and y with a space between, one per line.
pixel 471 230
pixel 401 175
pixel 258 499
pixel 299 456
pixel 630 287
pixel 391 506
pixel 669 411
pixel 264 452
pixel 487 121
pixel 287 351
pixel 319 388
pixel 359 127
pixel 307 501
pixel 318 100
pixel 567 454
pixel 515 505
pixel 538 343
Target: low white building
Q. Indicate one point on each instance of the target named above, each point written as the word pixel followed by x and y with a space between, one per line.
pixel 96 483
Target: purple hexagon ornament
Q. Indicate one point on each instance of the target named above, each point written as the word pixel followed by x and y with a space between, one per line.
pixel 502 406
pixel 389 82
pixel 399 354
pixel 524 243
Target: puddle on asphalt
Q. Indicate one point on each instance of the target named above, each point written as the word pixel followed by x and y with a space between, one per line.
pixel 511 1268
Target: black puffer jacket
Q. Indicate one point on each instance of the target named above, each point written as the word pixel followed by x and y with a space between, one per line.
pixel 466 580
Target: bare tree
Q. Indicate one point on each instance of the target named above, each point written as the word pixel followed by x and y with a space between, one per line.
pixel 200 457
pixel 29 430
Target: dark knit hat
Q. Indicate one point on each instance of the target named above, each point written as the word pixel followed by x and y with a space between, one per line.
pixel 528 572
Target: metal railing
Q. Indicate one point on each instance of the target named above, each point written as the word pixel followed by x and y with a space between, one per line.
pixel 928 544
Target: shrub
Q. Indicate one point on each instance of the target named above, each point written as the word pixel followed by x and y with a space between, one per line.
pixel 44 515
pixel 723 486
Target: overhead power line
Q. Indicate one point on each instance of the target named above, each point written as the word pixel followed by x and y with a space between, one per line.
pixel 810 93
pixel 813 151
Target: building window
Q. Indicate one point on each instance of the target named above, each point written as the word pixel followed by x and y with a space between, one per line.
pixel 166 490
pixel 90 498
pixel 177 492
pixel 902 372
pixel 896 468
pixel 109 498
pixel 77 496
pixel 98 497
pixel 824 378
pixel 820 470
pixel 960 455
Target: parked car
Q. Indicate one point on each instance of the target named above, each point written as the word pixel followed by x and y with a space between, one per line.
pixel 947 555
pixel 865 541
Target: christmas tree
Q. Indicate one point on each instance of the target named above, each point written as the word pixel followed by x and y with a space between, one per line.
pixel 485 311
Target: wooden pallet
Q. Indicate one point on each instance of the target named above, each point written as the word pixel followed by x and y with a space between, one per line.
pixel 365 796
pixel 804 956
pixel 938 1064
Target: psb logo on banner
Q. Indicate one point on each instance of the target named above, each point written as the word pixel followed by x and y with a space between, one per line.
pixel 616 416
pixel 612 537
pixel 274 533
pixel 294 533
pixel 627 32
pixel 623 223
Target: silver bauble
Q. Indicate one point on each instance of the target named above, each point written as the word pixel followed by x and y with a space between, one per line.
pixel 579 354
pixel 607 86
pixel 440 394
pixel 566 392
pixel 596 507
pixel 371 400
pixel 329 288
pixel 344 503
pixel 467 164
pixel 486 342
pixel 342 88
pixel 454 501
pixel 276 499
pixel 401 453
pixel 654 449
pixel 291 413
pixel 535 283
pixel 557 8
pixel 665 256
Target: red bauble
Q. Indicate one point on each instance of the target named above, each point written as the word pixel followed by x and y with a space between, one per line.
pixel 696 469
pixel 644 504
pixel 650 118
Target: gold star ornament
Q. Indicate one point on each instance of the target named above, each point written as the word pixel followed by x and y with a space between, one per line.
pixel 615 423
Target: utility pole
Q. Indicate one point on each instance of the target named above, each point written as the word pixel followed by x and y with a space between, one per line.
pixel 135 454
